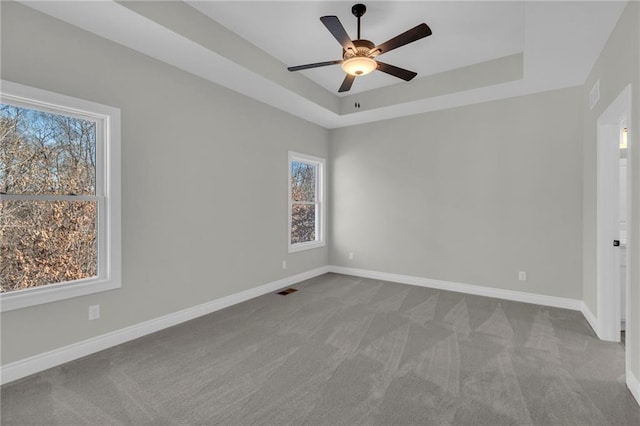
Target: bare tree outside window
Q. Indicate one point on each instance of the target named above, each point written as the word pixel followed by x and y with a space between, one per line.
pixel 303 201
pixel 50 241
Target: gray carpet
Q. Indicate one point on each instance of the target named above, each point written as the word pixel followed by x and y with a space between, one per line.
pixel 344 351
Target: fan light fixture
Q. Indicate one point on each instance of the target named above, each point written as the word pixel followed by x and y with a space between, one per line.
pixel 359 55
pixel 359 65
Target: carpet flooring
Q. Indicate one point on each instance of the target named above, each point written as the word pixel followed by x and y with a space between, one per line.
pixel 344 351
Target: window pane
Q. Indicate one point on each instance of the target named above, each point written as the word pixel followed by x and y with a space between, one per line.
pixel 303 223
pixel 303 181
pixel 45 153
pixel 46 242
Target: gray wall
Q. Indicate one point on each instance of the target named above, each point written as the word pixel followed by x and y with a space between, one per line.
pixel 470 195
pixel 617 66
pixel 204 173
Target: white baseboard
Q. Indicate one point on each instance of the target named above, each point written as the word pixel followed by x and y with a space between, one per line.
pixel 25 367
pixel 634 385
pixel 518 296
pixel 591 319
pixel 34 364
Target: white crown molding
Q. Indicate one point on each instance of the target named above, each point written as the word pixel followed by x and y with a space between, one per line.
pixel 552 59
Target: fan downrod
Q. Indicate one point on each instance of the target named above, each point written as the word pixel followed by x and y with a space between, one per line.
pixel 358 10
pixel 358 55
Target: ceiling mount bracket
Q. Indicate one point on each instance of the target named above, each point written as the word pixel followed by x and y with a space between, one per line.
pixel 358 10
pixel 358 55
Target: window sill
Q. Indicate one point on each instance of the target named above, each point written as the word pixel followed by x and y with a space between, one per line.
pixel 305 246
pixel 39 295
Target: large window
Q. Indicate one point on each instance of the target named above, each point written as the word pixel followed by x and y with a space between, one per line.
pixel 306 202
pixel 59 197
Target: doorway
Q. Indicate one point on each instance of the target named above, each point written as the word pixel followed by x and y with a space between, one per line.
pixel 623 212
pixel 613 206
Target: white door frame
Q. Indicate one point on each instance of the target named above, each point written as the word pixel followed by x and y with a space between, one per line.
pixel 616 116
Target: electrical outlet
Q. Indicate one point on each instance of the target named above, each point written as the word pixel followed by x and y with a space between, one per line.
pixel 522 276
pixel 94 312
pixel 350 255
pixel 284 264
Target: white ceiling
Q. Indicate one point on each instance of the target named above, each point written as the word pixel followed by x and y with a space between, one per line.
pixel 464 33
pixel 556 44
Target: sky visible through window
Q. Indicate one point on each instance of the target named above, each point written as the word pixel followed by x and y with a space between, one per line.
pixel 46 241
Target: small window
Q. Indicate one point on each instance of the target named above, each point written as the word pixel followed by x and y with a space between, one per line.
pixel 306 202
pixel 59 197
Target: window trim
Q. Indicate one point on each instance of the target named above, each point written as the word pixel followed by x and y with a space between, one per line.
pixel 107 120
pixel 320 200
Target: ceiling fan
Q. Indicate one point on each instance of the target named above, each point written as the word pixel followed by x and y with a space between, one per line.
pixel 358 56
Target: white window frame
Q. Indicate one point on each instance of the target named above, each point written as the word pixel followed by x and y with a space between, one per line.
pixel 107 195
pixel 320 202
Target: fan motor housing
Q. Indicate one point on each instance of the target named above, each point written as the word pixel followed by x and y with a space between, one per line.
pixel 363 48
pixel 358 56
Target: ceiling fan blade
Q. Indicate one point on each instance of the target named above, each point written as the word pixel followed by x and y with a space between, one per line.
pixel 335 27
pixel 316 65
pixel 406 75
pixel 347 83
pixel 415 33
